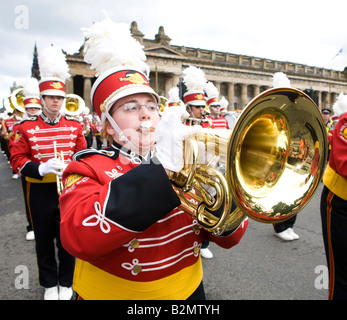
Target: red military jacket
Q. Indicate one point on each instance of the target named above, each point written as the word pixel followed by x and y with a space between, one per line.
pixel 32 143
pixel 335 175
pixel 119 217
pixel 219 123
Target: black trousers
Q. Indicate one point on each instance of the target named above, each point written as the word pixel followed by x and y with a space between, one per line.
pixel 281 226
pixel 334 227
pixel 44 206
pixel 27 211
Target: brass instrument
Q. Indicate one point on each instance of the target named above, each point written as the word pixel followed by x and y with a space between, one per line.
pixel 163 104
pixel 74 105
pixel 15 101
pixel 59 156
pixel 198 121
pixel 273 161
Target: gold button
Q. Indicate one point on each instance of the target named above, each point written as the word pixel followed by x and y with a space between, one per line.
pixel 135 243
pixel 196 250
pixel 137 269
pixel 195 228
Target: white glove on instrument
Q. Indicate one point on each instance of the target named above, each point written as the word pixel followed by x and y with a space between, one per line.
pixel 51 166
pixel 170 134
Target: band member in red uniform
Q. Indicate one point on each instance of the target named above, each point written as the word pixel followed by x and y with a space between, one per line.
pixel 194 99
pixel 33 155
pixel 334 205
pixel 213 103
pixel 32 106
pixel 8 125
pixel 119 209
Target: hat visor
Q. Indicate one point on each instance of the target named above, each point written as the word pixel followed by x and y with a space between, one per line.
pixel 53 92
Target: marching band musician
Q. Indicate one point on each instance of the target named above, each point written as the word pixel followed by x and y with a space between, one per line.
pixel 194 99
pixel 87 127
pixel 34 157
pixel 334 204
pixel 8 125
pixel 213 103
pixel 195 82
pixel 119 209
pixel 97 128
pixel 32 106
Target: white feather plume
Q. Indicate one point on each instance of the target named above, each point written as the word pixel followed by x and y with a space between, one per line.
pixel 52 63
pixel 211 90
pixel 173 94
pixel 280 80
pixel 194 78
pixel 31 88
pixel 110 44
pixel 340 106
pixel 224 103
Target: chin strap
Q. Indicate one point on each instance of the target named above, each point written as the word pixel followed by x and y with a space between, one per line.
pixel 128 144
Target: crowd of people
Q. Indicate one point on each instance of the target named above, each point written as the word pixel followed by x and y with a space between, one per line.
pixel 117 225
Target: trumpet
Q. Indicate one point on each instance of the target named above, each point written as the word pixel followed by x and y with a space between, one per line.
pixel 59 156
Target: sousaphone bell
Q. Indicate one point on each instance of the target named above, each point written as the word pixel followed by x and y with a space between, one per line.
pixel 269 165
pixel 73 106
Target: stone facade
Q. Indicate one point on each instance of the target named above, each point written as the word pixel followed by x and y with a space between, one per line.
pixel 238 77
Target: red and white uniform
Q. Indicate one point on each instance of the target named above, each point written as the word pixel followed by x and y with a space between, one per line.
pixel 33 139
pixel 219 123
pixel 119 217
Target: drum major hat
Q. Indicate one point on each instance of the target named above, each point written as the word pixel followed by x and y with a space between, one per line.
pixel 195 81
pixel 119 62
pixel 54 72
pixel 212 95
pixel 31 93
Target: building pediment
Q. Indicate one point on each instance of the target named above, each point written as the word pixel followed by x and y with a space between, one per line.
pixel 164 52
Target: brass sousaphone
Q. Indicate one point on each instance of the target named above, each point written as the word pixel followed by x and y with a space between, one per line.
pixel 15 101
pixel 272 161
pixel 73 106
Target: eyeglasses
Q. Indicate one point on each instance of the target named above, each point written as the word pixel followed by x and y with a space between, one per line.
pixel 133 107
pixel 214 106
pixel 198 107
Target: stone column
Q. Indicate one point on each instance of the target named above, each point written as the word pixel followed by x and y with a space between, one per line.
pixel 243 95
pixel 230 96
pixel 256 90
pixel 87 86
pixel 69 85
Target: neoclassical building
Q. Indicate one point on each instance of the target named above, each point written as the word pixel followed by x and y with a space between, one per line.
pixel 239 78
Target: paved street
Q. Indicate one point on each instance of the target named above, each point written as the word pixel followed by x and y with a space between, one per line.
pixel 261 267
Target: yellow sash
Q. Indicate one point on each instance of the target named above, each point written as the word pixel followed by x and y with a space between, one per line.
pixel 335 183
pixel 92 283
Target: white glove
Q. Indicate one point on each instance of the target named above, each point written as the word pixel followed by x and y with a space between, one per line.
pixel 51 166
pixel 170 134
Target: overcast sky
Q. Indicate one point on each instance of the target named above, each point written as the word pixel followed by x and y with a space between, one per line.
pixel 302 31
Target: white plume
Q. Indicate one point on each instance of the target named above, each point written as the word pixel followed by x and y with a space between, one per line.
pixel 52 63
pixel 31 88
pixel 173 94
pixel 280 80
pixel 340 106
pixel 211 90
pixel 224 103
pixel 194 78
pixel 110 44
